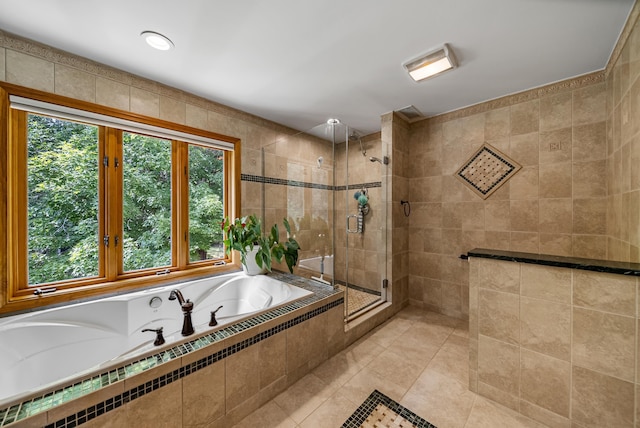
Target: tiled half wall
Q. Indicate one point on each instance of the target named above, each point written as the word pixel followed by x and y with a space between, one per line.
pixel 556 344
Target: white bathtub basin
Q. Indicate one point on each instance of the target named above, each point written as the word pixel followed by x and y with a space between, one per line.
pixel 52 346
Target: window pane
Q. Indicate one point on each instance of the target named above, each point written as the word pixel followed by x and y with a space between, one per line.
pixel 146 202
pixel 206 181
pixel 62 213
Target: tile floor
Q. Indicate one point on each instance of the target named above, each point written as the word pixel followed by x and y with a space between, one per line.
pixel 418 358
pixel 357 300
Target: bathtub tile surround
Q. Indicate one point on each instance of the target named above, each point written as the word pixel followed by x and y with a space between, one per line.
pixel 555 338
pixel 250 354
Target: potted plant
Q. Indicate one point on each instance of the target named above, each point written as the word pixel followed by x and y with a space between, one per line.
pixel 245 235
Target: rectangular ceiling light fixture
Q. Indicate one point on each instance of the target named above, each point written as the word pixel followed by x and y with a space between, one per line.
pixel 431 64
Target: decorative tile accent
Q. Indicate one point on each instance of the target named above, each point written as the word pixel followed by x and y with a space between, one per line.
pixel 487 170
pixel 380 411
pixel 51 399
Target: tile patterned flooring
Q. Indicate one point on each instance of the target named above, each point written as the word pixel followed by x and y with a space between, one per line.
pixel 357 300
pixel 417 358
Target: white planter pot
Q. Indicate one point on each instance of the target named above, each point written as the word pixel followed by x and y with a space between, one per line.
pixel 251 267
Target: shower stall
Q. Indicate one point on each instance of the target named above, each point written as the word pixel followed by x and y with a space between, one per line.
pixel 330 182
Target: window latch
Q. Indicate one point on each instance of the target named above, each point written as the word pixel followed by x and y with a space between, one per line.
pixel 105 239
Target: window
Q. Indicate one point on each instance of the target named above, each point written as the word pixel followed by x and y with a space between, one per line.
pixel 62 199
pixel 98 201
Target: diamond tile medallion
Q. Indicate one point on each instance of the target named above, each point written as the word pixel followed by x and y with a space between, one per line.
pixel 487 170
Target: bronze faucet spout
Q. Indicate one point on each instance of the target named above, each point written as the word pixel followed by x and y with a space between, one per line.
pixel 177 294
pixel 187 307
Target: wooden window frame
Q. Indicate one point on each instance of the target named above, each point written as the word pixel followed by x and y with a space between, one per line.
pixel 15 293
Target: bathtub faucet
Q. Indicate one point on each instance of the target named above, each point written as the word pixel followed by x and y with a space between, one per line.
pixel 187 307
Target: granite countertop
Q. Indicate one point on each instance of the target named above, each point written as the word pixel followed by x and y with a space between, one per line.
pixel 620 268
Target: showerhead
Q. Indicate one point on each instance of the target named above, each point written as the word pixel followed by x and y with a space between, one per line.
pixel 355 137
pixel 384 160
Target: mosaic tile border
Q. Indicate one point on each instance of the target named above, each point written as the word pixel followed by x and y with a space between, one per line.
pixel 368 406
pixel 295 183
pixel 46 402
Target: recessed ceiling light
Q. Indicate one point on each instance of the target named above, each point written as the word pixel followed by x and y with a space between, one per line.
pixel 431 64
pixel 333 121
pixel 157 40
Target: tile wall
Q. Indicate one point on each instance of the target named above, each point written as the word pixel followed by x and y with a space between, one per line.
pixel 578 193
pixel 556 204
pixel 558 345
pixel 623 146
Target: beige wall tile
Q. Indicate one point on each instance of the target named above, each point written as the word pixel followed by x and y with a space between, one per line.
pixel 589 104
pixel 525 117
pixel 555 111
pixel 500 276
pixel 556 215
pixel 497 215
pixel 473 130
pixel 545 381
pixel 524 185
pixel 546 282
pixel 524 215
pixel 196 117
pixel 589 179
pixel 498 240
pixel 497 124
pixel 550 419
pixel 29 71
pixel 242 376
pixel 557 245
pixel 590 246
pixel 164 404
pixel 589 216
pixel 203 395
pixel 545 327
pixel 595 337
pixel 499 365
pixel 172 110
pixel 526 242
pixel 555 146
pixel 273 361
pixel 602 398
pixel 495 395
pixel 589 142
pixel 606 292
pixel 499 315
pixel 524 149
pixel 112 94
pixel 73 83
pixel 555 180
pixel 144 102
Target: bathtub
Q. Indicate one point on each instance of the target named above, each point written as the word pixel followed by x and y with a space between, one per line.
pixel 42 349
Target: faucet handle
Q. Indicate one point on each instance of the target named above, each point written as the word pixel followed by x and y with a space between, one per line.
pixel 214 321
pixel 159 337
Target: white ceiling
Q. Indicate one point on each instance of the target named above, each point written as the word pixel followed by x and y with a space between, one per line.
pixel 300 62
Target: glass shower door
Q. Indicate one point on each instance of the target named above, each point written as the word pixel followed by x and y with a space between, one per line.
pixel 329 182
pixel 362 243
